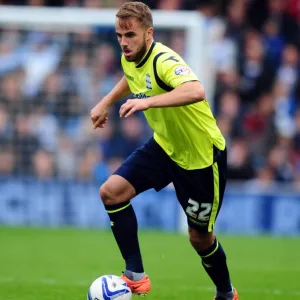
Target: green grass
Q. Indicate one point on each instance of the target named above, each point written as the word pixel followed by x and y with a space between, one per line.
pixel 40 264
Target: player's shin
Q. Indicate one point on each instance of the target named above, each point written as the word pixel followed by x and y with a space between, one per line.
pixel 125 229
pixel 214 262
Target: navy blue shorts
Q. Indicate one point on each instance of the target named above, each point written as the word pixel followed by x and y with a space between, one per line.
pixel 200 192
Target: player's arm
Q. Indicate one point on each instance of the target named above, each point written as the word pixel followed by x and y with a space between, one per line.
pixel 99 114
pixel 187 93
pixel 174 76
pixel 120 91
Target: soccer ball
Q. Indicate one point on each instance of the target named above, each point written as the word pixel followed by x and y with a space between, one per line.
pixel 109 287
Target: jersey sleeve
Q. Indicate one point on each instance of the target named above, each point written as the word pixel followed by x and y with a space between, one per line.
pixel 173 70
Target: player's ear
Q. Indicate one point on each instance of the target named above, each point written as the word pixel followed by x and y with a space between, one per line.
pixel 149 33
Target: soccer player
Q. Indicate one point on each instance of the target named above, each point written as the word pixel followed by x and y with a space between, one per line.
pixel 187 149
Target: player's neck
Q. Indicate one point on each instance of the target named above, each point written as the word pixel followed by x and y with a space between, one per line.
pixel 148 48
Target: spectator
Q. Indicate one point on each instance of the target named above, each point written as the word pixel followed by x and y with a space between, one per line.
pixel 25 144
pixel 5 124
pixel 114 163
pixel 7 161
pixel 236 21
pixel 10 56
pixel 289 68
pixel 240 166
pixel 296 141
pixel 104 68
pixel 229 105
pixel 273 41
pixel 44 126
pixel 278 9
pixel 258 126
pixel 284 109
pixel 81 77
pixel 264 180
pixel 11 93
pixel 226 128
pixel 169 4
pixel 66 157
pixel 92 3
pixel 41 57
pixel 279 160
pixel 228 80
pixel 54 97
pixel 43 165
pixel 294 10
pixel 132 135
pixel 92 167
pixel 223 50
pixel 257 74
pixel 177 43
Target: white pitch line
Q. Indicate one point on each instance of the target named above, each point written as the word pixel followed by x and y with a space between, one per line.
pixel 86 283
pixel 83 283
pixel 49 281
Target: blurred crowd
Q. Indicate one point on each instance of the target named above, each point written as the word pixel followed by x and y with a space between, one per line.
pixel 50 81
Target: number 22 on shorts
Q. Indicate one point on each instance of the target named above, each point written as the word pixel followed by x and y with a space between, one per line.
pixel 193 210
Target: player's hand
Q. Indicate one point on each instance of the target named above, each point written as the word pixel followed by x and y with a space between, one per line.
pixel 99 115
pixel 133 105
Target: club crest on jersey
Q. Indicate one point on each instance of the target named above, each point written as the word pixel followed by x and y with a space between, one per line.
pixel 148 82
pixel 182 70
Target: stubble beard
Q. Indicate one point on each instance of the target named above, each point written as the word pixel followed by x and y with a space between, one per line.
pixel 139 55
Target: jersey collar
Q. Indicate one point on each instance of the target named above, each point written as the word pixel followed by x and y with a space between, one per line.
pixel 144 60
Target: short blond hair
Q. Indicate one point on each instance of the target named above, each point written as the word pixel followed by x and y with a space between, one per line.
pixel 137 10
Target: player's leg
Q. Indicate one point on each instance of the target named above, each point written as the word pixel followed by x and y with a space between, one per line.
pixel 142 170
pixel 200 193
pixel 214 262
pixel 116 194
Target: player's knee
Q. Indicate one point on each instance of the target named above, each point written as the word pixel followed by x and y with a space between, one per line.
pixel 200 241
pixel 116 190
pixel 107 194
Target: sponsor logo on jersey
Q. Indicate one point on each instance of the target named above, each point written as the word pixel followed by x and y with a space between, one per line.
pixel 182 70
pixel 140 96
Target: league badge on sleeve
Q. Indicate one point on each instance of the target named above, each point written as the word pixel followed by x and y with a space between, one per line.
pixel 182 70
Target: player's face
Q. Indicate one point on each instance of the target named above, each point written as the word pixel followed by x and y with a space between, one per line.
pixel 133 38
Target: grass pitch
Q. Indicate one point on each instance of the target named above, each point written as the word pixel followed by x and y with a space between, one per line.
pixel 60 264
